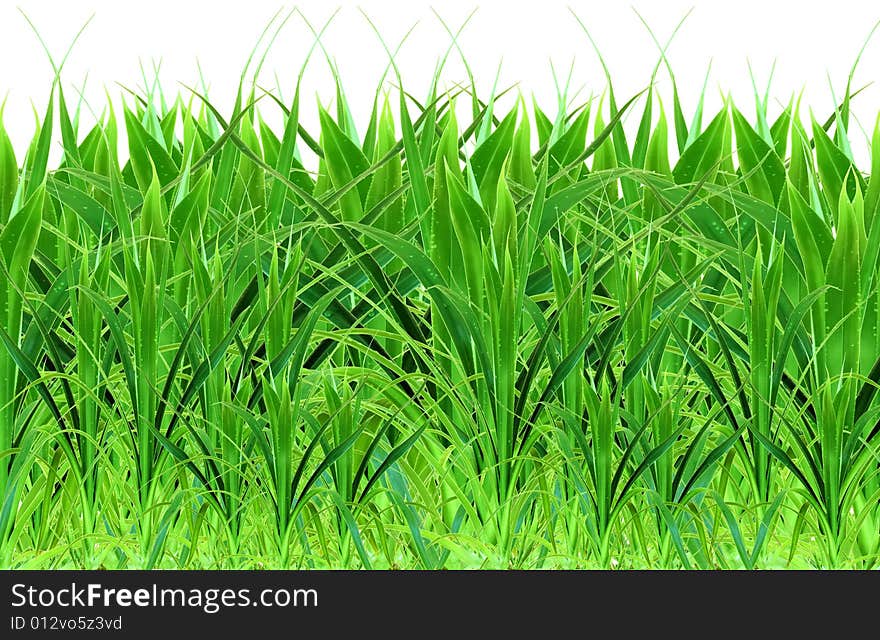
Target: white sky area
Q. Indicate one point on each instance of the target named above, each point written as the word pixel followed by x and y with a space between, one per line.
pixel 813 45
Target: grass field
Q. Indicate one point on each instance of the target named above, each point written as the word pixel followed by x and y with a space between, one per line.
pixel 478 333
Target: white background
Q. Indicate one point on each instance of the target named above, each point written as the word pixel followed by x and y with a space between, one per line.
pixel 809 41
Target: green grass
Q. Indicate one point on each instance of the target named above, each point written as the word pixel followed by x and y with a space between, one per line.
pixel 480 334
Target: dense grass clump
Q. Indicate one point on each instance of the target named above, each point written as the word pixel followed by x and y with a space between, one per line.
pixel 478 335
